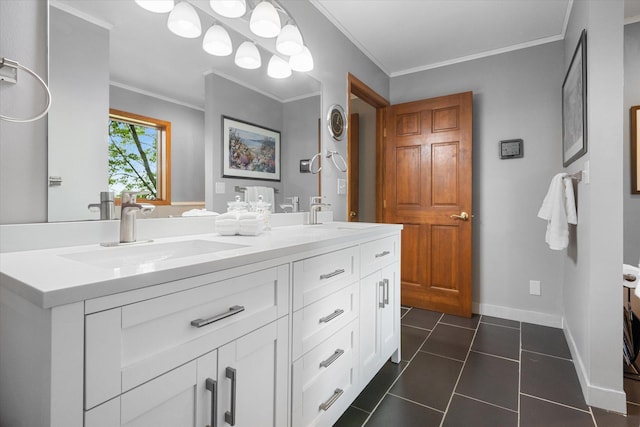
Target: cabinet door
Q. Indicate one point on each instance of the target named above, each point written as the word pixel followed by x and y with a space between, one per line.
pixel 389 313
pixel 168 400
pixel 253 378
pixel 379 320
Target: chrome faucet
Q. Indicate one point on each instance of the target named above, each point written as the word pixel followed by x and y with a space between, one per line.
pixel 315 204
pixel 128 215
pixel 294 205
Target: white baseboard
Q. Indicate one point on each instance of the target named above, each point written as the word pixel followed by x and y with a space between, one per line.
pixel 609 399
pixel 535 317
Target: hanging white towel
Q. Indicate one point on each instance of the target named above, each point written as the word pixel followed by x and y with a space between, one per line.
pixel 559 209
pixel 267 194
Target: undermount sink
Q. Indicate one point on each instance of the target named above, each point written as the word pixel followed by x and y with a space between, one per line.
pixel 149 253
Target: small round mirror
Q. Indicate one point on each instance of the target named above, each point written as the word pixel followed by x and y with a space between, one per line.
pixel 337 122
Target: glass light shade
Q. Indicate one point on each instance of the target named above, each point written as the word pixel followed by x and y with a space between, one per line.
pixel 247 56
pixel 229 8
pixel 302 62
pixel 278 68
pixel 265 21
pixel 289 40
pixel 184 21
pixel 217 41
pixel 157 6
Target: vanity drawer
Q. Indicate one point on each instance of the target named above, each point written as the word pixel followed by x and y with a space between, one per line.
pixel 377 254
pixel 320 395
pixel 315 277
pixel 318 321
pixel 129 345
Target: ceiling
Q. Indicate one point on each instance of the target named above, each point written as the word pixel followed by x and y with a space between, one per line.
pixel 405 36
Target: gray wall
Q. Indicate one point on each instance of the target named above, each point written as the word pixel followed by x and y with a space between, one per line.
pixel 516 95
pixel 226 98
pixel 187 139
pixel 592 292
pixel 23 146
pixel 367 160
pixel 78 137
pixel 631 98
pixel 300 141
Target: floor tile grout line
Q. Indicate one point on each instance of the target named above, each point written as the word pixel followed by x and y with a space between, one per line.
pixel 502 326
pixel 464 363
pixel 418 327
pixel 496 355
pixel 586 411
pixel 440 355
pixel 417 403
pixel 360 409
pixel 459 326
pixel 549 355
pixel 515 411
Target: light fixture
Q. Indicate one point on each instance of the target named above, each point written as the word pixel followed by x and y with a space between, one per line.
pixel 247 56
pixel 184 21
pixel 289 41
pixel 229 8
pixel 278 68
pixel 265 21
pixel 217 41
pixel 302 62
pixel 157 6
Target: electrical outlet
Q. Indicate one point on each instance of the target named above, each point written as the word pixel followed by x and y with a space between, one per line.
pixel 534 287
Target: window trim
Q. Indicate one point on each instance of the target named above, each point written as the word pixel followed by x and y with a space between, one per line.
pixel 164 155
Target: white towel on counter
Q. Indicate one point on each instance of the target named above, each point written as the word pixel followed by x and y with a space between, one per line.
pixel 267 193
pixel 559 209
pixel 227 224
pixel 250 224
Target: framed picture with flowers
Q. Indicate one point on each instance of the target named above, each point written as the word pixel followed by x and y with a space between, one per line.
pixel 250 151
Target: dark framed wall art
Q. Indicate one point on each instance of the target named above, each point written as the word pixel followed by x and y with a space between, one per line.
pixel 574 105
pixel 250 151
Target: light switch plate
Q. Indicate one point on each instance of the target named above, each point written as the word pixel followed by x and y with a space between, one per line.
pixel 220 188
pixel 342 186
pixel 534 287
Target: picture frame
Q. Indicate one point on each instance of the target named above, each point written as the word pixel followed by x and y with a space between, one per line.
pixel 635 149
pixel 250 151
pixel 574 105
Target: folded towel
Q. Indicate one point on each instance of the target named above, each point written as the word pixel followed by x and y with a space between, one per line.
pixel 559 209
pixel 227 224
pixel 250 224
pixel 199 212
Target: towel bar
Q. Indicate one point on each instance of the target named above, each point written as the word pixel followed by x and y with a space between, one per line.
pixel 239 189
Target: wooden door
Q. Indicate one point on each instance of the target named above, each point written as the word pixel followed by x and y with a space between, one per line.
pixel 353 171
pixel 427 188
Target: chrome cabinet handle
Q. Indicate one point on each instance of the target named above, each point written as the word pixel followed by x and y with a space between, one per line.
pixel 332 316
pixel 212 386
pixel 230 416
pixel 381 303
pixel 325 363
pixel 386 291
pixel 336 395
pixel 199 323
pixel 463 216
pixel 335 273
pixel 381 254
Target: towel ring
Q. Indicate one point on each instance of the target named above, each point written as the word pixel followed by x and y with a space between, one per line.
pixel 313 159
pixel 5 62
pixel 332 155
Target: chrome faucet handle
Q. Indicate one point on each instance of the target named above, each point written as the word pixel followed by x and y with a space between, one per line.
pixel 316 199
pixel 129 196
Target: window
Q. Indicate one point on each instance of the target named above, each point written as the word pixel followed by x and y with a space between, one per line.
pixel 139 156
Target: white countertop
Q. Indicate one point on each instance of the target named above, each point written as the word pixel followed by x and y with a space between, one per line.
pixel 50 277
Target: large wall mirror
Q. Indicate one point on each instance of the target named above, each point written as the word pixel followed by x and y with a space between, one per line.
pixel 108 54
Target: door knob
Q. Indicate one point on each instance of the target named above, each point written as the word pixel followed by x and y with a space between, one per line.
pixel 353 214
pixel 463 216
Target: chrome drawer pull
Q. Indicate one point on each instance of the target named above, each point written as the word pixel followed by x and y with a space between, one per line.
pixel 381 254
pixel 230 416
pixel 386 291
pixel 381 303
pixel 336 395
pixel 212 386
pixel 199 323
pixel 335 273
pixel 325 363
pixel 332 316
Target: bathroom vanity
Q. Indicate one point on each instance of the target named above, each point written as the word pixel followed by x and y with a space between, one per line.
pixel 280 329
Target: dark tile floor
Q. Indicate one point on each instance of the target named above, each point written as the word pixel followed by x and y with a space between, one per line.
pixel 483 371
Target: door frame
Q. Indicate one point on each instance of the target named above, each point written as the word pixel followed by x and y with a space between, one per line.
pixel 358 88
